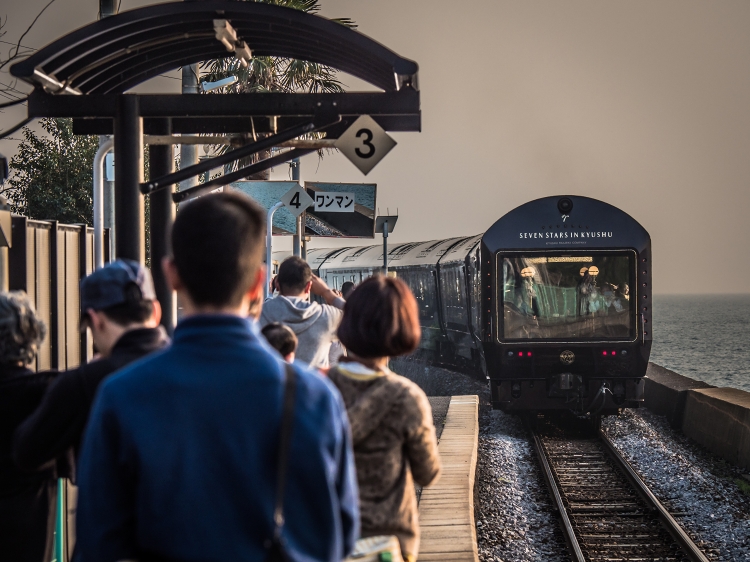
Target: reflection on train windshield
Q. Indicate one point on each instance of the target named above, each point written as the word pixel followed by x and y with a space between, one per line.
pixel 566 297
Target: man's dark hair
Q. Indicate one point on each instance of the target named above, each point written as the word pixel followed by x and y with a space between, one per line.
pixel 217 242
pixel 294 274
pixel 346 289
pixel 281 337
pixel 135 310
pixel 381 319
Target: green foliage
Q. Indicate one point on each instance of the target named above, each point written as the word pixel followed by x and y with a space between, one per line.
pixel 52 176
pixel 743 485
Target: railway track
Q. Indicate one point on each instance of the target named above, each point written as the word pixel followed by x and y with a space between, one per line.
pixel 606 511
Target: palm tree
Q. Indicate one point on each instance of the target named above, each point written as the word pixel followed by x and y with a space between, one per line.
pixel 274 74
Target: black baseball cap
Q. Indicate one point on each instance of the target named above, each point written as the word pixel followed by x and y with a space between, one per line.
pixel 111 285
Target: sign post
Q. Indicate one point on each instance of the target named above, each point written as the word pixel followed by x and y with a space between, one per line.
pixel 385 224
pixel 296 200
pixel 365 143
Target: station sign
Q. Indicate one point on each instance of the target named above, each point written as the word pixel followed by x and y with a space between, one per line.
pixel 341 210
pixel 267 194
pixel 296 200
pixel 334 202
pixel 365 143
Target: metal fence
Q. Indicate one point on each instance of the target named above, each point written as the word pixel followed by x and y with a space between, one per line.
pixel 48 260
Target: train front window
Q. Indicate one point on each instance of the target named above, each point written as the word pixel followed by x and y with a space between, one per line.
pixel 569 297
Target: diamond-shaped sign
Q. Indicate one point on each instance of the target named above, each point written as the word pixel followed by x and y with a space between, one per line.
pixel 365 143
pixel 297 200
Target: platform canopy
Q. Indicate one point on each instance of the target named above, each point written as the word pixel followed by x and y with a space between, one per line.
pixel 115 54
pixel 87 73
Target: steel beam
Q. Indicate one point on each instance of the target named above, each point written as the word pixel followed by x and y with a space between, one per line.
pixel 155 183
pixel 229 125
pixel 161 217
pixel 404 102
pixel 241 173
pixel 129 214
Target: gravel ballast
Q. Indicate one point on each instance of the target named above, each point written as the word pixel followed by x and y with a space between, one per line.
pixel 699 489
pixel 513 511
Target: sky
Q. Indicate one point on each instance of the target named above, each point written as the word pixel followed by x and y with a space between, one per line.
pixel 642 104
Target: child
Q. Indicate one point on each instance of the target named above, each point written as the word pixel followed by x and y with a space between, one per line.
pixel 282 339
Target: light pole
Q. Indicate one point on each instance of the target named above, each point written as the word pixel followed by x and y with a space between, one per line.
pixel 385 224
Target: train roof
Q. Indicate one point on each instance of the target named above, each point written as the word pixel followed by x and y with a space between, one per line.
pixel 399 255
pixel 566 223
pixel 460 250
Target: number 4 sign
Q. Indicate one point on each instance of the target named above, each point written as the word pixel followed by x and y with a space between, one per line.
pixel 365 143
pixel 297 200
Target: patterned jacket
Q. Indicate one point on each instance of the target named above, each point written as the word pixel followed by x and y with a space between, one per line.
pixel 394 447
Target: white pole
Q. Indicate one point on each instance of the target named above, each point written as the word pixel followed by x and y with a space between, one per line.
pixel 269 235
pixel 105 147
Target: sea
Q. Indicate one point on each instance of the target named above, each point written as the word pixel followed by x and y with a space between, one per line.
pixel 704 337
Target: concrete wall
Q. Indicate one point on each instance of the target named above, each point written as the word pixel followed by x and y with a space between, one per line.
pixel 666 393
pixel 719 419
pixel 716 418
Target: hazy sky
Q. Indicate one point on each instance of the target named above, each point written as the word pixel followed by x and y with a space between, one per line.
pixel 643 104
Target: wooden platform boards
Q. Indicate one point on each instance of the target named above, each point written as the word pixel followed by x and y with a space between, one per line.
pixel 446 510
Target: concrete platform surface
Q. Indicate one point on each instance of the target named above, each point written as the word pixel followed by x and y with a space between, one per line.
pixel 446 510
pixel 719 419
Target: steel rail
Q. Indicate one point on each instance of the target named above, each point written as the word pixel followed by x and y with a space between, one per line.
pixel 690 549
pixel 549 478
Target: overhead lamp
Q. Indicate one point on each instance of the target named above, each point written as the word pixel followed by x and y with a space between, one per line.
pixel 209 86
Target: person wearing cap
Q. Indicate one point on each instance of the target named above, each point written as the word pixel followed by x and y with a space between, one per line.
pixel 119 307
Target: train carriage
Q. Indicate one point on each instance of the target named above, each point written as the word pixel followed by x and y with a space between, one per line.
pixel 552 304
pixel 567 307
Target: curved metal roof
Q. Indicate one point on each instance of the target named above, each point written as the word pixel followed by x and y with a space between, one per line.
pixel 399 255
pixel 117 53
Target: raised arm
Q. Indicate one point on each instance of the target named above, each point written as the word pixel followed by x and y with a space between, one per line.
pixel 320 288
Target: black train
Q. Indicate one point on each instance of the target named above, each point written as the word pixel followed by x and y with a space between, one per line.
pixel 552 304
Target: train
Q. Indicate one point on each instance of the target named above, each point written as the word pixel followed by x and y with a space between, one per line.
pixel 551 305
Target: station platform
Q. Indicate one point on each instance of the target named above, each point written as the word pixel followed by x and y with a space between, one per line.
pixel 446 510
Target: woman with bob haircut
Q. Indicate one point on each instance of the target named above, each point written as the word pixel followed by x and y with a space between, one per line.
pixel 390 417
pixel 26 499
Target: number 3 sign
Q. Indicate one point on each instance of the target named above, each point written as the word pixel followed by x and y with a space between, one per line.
pixel 365 143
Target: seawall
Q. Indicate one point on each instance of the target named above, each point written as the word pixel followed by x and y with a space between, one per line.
pixel 716 418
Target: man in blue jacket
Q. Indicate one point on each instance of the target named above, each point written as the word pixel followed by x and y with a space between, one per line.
pixel 179 457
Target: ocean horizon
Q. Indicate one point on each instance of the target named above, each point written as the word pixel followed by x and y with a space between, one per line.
pixel 704 337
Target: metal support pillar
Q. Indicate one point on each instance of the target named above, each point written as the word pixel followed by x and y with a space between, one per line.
pixel 297 239
pixel 385 248
pixel 162 213
pixel 269 247
pixel 189 152
pixel 129 214
pixel 108 8
pixel 109 206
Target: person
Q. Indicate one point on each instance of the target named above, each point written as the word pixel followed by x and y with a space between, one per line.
pixel 26 499
pixel 390 416
pixel 282 339
pixel 346 289
pixel 314 324
pixel 119 307
pixel 179 456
